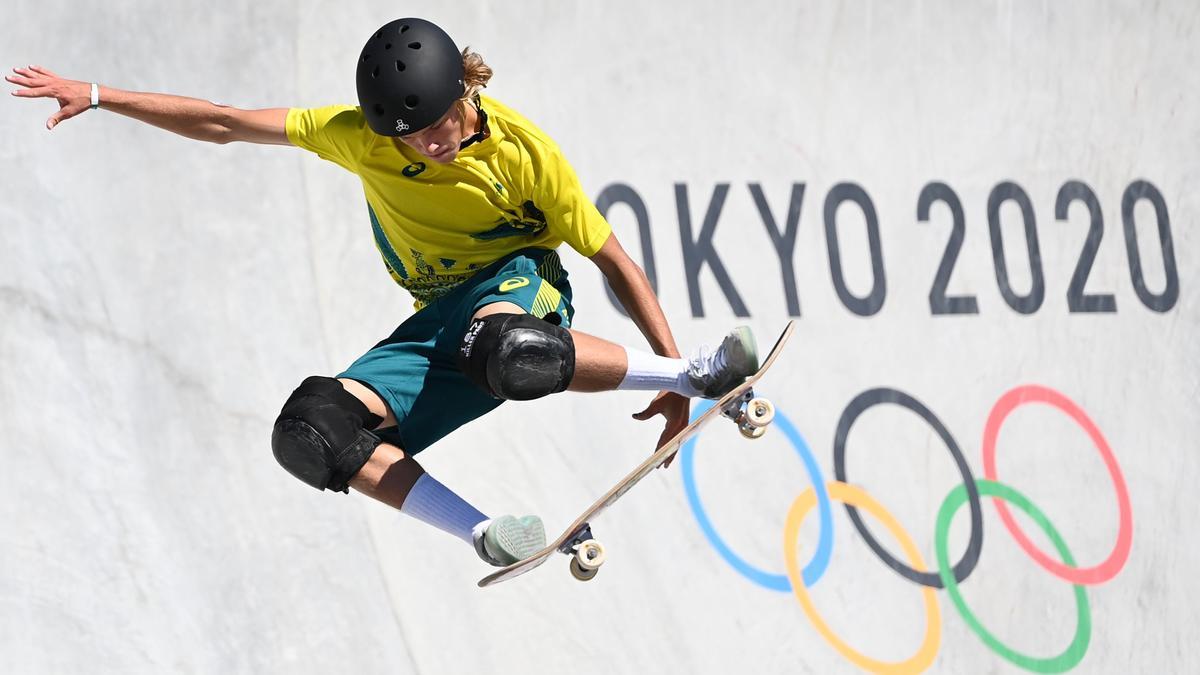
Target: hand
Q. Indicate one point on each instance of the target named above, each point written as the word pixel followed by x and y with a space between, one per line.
pixel 676 408
pixel 73 97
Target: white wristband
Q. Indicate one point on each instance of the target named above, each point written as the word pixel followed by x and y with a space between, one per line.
pixel 95 96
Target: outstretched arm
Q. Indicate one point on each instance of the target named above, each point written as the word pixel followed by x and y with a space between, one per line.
pixel 190 117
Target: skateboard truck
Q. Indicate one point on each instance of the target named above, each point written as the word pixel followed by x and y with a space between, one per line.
pixel 751 414
pixel 587 554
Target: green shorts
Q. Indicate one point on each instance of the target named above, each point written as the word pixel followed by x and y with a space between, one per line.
pixel 414 369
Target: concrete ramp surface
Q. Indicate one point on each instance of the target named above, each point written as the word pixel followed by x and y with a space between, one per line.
pixel 982 215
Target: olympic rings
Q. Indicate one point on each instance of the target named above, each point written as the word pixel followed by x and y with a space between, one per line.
pixel 775 582
pixel 848 494
pixel 1067 572
pixel 858 406
pixel 947 576
pixel 1083 626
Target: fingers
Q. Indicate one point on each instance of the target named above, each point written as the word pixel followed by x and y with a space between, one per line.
pixel 65 113
pixel 32 77
pixel 658 406
pixel 646 414
pixel 32 92
pixel 28 73
pixel 35 85
pixel 39 82
pixel 667 463
pixel 23 80
pixel 662 440
pixel 666 436
pixel 655 408
pixel 35 71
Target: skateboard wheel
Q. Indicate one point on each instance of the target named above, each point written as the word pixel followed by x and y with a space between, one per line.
pixel 580 573
pixel 752 432
pixel 590 555
pixel 759 412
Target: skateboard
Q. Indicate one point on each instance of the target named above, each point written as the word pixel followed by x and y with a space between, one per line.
pixel 751 414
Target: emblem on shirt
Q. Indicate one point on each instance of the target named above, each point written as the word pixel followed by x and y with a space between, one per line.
pixel 413 169
pixel 401 127
pixel 530 223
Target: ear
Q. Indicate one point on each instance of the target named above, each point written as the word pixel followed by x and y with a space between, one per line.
pixel 461 106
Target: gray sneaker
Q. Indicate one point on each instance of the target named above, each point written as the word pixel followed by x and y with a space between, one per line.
pixel 509 539
pixel 714 373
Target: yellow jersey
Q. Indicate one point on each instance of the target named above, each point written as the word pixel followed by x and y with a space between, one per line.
pixel 437 224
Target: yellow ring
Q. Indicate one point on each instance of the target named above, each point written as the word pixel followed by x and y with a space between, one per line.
pixel 848 494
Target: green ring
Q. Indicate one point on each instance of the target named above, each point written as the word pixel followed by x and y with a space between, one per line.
pixel 1083 627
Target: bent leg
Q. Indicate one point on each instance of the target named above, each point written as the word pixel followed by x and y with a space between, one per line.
pixel 600 365
pixel 324 438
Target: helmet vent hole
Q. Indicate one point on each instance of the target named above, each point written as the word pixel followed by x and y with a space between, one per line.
pixel 375 73
pixel 411 101
pixel 366 57
pixel 404 28
pixel 379 110
pixel 400 66
pixel 387 46
pixel 414 45
pixel 379 34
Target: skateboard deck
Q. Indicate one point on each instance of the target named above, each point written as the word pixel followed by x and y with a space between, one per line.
pixel 751 414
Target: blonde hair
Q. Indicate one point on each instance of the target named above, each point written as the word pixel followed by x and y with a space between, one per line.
pixel 476 75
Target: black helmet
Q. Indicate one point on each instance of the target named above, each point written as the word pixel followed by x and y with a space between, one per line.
pixel 409 74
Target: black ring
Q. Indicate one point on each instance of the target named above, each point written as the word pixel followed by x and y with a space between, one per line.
pixel 873 397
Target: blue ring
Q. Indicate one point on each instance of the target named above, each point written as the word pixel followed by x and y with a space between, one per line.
pixel 775 582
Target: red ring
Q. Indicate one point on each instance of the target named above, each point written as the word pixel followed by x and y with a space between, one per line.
pixel 1120 553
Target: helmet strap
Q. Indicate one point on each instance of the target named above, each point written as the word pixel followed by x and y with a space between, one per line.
pixel 482 133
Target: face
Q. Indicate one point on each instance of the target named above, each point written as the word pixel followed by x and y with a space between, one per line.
pixel 440 140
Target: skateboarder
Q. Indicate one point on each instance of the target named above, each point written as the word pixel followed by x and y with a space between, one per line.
pixel 468 201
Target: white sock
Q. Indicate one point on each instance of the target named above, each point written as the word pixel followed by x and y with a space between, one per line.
pixel 651 372
pixel 433 503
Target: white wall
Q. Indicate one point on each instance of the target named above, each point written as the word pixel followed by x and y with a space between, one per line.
pixel 160 298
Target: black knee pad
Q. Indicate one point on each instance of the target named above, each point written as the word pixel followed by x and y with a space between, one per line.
pixel 323 435
pixel 517 357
